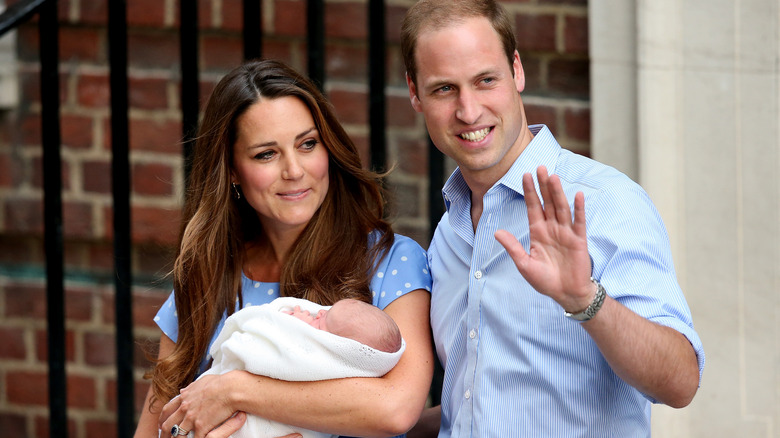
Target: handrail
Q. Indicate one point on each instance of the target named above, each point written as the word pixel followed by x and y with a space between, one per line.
pixel 18 13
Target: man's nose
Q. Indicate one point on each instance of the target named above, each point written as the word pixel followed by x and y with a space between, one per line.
pixel 468 110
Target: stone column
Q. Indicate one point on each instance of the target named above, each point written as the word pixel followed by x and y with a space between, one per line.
pixel 707 107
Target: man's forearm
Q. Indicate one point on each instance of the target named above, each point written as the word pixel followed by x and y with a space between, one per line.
pixel 656 360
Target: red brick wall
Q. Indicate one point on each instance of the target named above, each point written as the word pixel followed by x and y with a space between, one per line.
pixel 553 46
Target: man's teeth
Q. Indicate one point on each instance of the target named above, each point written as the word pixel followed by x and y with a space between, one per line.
pixel 475 135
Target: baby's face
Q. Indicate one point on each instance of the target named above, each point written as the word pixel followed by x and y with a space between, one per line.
pixel 318 320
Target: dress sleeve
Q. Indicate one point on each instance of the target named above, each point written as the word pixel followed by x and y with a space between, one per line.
pixel 402 270
pixel 167 318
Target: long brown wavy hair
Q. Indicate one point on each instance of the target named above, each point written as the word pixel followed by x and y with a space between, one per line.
pixel 332 259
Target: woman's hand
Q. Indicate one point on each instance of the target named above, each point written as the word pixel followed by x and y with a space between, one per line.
pixel 379 406
pixel 203 408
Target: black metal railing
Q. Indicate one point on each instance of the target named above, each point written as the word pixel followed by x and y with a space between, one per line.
pixel 52 213
pixel 22 11
pixel 120 189
pixel 52 196
pixel 190 90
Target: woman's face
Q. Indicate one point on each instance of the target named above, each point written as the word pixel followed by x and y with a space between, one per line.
pixel 280 163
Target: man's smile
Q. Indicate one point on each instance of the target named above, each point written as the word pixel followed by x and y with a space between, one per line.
pixel 476 135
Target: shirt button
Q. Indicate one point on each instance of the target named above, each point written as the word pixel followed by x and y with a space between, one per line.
pixel 473 334
pixel 467 394
pixel 478 275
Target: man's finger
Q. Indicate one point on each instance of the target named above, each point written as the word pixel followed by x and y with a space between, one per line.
pixel 558 201
pixel 512 246
pixel 544 188
pixel 579 214
pixel 532 203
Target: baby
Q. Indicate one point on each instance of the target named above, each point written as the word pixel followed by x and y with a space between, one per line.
pixel 355 320
pixel 349 339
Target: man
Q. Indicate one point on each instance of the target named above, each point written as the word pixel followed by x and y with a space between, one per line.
pixel 545 326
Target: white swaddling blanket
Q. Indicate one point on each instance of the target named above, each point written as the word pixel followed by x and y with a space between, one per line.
pixel 265 341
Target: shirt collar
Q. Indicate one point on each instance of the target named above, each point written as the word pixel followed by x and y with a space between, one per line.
pixel 542 150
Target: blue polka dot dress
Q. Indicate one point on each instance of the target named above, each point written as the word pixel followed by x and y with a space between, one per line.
pixel 402 270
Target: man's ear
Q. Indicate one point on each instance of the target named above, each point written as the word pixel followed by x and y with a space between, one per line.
pixel 413 94
pixel 517 69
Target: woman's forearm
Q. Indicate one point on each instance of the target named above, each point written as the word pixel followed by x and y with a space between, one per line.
pixel 382 406
pixel 147 423
pixel 389 405
pixel 428 425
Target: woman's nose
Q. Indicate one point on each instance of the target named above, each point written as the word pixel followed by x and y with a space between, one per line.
pixel 292 169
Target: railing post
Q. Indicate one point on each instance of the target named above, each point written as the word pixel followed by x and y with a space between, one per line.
pixel 376 71
pixel 120 172
pixel 52 213
pixel 435 181
pixel 315 40
pixel 253 29
pixel 190 88
pixel 435 211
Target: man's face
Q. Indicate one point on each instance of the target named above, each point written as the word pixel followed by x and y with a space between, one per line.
pixel 470 98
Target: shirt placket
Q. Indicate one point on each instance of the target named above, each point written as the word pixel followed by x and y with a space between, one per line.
pixel 483 244
pixel 472 344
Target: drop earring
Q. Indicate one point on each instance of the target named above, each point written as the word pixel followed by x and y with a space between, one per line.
pixel 235 189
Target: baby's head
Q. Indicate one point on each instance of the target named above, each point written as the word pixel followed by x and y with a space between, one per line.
pixel 359 321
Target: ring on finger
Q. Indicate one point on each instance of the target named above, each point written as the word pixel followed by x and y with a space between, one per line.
pixel 177 430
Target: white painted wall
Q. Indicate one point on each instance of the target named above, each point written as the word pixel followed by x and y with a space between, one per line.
pixel 695 88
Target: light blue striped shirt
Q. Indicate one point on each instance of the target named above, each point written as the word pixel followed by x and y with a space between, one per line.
pixel 515 366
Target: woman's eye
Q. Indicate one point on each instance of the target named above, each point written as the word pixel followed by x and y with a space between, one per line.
pixel 264 156
pixel 309 144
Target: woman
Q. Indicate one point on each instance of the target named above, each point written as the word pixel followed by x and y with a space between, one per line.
pixel 279 205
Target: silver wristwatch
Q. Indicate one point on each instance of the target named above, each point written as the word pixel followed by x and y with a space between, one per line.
pixel 593 307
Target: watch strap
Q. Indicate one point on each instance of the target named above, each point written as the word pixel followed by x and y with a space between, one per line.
pixel 593 307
